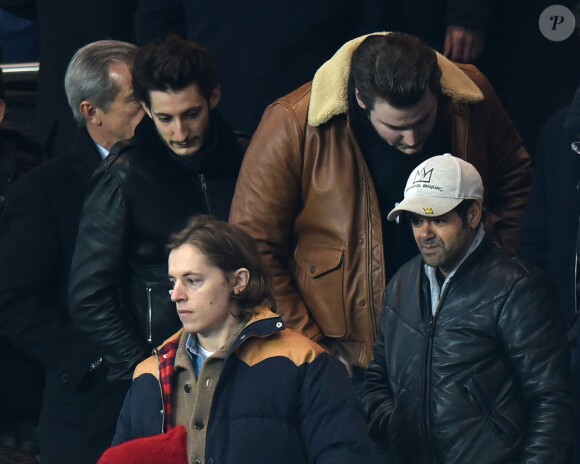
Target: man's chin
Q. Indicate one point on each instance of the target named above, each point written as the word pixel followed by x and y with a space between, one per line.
pixel 430 259
pixel 410 150
pixel 184 151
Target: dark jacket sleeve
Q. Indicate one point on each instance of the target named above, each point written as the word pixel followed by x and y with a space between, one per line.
pixel 332 424
pixel 377 397
pixel 141 412
pixel 535 342
pixel 533 245
pixel 33 277
pixel 98 268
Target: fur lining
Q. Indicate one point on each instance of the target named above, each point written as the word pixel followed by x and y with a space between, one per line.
pixel 329 97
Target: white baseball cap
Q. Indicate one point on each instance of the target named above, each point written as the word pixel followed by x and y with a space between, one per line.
pixel 438 185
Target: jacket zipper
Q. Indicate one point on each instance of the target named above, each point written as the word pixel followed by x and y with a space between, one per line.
pixel 149 314
pixel 205 192
pixel 576 311
pixel 427 371
pixel 427 388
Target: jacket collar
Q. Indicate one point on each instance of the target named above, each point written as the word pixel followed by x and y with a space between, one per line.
pixel 222 158
pixel 263 323
pixel 329 95
pixel 86 155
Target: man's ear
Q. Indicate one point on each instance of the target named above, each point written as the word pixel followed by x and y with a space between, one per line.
pixel 240 279
pixel 474 214
pixel 215 96
pixel 2 109
pixel 146 109
pixel 89 113
pixel 358 99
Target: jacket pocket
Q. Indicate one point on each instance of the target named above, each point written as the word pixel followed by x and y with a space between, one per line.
pixel 319 276
pixel 499 423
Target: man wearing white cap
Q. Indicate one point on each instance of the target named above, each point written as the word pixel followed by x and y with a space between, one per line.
pixel 471 364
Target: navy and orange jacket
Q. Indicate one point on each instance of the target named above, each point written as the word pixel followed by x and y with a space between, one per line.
pixel 280 398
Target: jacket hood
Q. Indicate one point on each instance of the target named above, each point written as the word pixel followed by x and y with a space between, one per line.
pixel 329 95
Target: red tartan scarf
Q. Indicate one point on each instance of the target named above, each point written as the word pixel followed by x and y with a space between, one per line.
pixel 166 357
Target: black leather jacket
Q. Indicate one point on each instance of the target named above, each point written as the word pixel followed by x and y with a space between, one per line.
pixel 118 290
pixel 486 380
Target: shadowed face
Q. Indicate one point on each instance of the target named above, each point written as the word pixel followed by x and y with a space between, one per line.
pixel 182 117
pixel 406 129
pixel 444 240
pixel 124 113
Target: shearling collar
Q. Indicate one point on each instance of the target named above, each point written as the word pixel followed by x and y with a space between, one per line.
pixel 329 95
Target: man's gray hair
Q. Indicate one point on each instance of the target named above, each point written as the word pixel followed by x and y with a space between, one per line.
pixel 87 76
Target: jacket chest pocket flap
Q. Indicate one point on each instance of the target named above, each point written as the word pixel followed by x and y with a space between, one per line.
pixel 319 276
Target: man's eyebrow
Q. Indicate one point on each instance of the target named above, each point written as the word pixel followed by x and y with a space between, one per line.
pixel 192 108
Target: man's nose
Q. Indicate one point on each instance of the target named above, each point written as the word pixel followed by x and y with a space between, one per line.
pixel 179 131
pixel 426 232
pixel 410 137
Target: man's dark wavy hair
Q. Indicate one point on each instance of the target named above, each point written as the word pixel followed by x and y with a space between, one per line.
pixel 397 68
pixel 173 65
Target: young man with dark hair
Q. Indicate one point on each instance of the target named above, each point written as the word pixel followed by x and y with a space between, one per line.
pixel 401 78
pixel 183 161
pixel 471 362
pixel 329 160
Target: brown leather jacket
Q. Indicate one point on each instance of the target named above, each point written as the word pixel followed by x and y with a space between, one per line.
pixel 306 195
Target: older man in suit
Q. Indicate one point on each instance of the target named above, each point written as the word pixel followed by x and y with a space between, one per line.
pixel 37 237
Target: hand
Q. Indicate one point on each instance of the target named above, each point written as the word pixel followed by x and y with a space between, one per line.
pixel 463 44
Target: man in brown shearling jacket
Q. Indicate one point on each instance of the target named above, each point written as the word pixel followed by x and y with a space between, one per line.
pixel 331 159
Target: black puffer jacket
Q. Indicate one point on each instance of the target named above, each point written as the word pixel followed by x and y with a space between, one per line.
pixel 484 381
pixel 118 290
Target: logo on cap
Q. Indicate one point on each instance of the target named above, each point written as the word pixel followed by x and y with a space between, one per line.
pixel 428 210
pixel 423 176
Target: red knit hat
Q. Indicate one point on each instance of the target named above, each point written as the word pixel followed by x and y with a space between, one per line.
pixel 168 448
